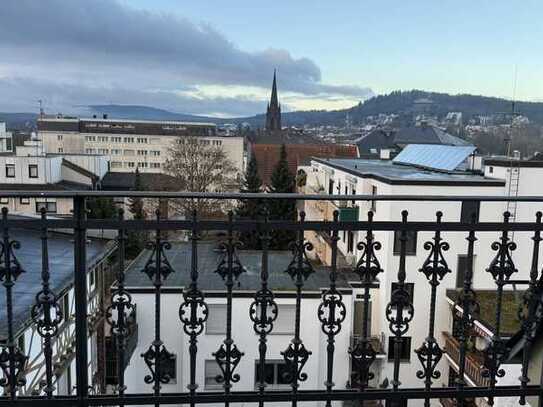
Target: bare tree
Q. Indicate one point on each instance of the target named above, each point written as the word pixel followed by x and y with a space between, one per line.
pixel 199 166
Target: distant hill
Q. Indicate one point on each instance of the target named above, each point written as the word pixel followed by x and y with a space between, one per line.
pixel 398 102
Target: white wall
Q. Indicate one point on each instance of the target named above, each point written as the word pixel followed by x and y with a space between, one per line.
pixel 244 337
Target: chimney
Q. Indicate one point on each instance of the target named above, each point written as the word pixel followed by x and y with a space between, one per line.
pixel 94 116
pixel 516 155
pixel 105 116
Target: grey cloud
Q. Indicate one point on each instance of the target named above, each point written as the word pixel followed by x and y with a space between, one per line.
pixel 22 94
pixel 88 40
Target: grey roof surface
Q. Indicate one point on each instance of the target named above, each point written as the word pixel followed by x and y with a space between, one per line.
pixel 386 138
pixel 150 181
pixel 427 135
pixel 435 156
pixel 208 258
pixel 61 266
pixel 386 171
pixel 59 186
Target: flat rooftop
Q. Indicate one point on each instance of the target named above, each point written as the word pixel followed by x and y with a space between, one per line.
pixel 389 173
pixel 209 258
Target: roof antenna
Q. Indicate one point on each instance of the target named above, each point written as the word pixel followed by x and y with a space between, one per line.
pixel 41 108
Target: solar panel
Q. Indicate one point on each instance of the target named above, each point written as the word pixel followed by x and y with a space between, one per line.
pixel 435 156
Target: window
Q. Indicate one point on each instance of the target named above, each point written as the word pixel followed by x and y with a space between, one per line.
pixel 103 138
pixel 156 153
pixel 354 193
pixel 65 308
pixel 50 207
pixel 373 203
pixel 33 171
pixel 143 165
pixel 350 241
pixel 155 165
pixel 216 319
pixel 92 277
pixel 142 152
pixel 128 152
pixel 142 140
pixel 275 374
pixel 468 209
pixel 90 138
pixel 90 151
pixel 59 137
pixel 116 139
pixel 409 287
pixel 103 151
pixel 359 317
pixel 60 150
pixel 10 170
pixel 217 142
pixel 331 187
pixel 24 201
pixel 128 139
pixel 405 348
pixel 410 244
pixel 211 372
pixel 490 170
pixel 116 151
pixel 461 269
pixel 4 201
pixel 130 164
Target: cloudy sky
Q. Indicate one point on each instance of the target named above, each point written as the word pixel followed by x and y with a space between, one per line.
pixel 216 57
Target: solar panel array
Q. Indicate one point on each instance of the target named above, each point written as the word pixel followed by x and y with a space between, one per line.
pixel 435 156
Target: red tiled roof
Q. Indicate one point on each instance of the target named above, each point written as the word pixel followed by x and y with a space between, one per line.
pixel 267 155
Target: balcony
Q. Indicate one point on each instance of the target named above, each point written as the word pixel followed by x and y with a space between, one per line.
pixel 193 298
pixel 474 360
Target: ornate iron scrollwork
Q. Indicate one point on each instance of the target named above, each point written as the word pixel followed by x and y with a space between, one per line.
pixel 12 360
pixel 363 355
pixel 399 311
pixel 230 268
pixel 157 268
pixel 155 357
pixel 263 311
pixel 299 269
pixel 434 268
pixel 331 312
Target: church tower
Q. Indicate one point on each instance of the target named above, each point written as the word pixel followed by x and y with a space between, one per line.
pixel 273 113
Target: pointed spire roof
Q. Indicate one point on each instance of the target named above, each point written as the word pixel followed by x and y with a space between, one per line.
pixel 274 102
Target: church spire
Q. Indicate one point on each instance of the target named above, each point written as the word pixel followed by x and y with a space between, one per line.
pixel 273 113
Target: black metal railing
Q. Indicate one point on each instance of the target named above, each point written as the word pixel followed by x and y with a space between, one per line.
pixel 331 314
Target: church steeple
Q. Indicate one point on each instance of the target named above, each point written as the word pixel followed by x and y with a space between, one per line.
pixel 273 113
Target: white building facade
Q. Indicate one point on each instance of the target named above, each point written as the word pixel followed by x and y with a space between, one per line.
pixel 131 144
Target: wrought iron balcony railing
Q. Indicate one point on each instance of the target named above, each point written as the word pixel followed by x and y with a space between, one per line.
pixel 331 313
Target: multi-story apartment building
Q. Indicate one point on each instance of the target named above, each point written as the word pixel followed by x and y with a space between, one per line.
pixel 30 169
pixel 421 177
pixel 130 144
pixel 176 341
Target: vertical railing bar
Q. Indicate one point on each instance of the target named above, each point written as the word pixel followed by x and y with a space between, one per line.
pixel 434 268
pixel 12 360
pixel 228 355
pixel 193 312
pixel 332 312
pixel 158 284
pixel 263 310
pixel 531 302
pixel 399 307
pixel 467 301
pixel 80 293
pixel 367 268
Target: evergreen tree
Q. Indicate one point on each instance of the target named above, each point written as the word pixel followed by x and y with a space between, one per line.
pixel 251 208
pixel 282 181
pixel 136 238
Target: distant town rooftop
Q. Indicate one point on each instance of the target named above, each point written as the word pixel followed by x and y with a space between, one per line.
pixel 123 126
pixel 386 171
